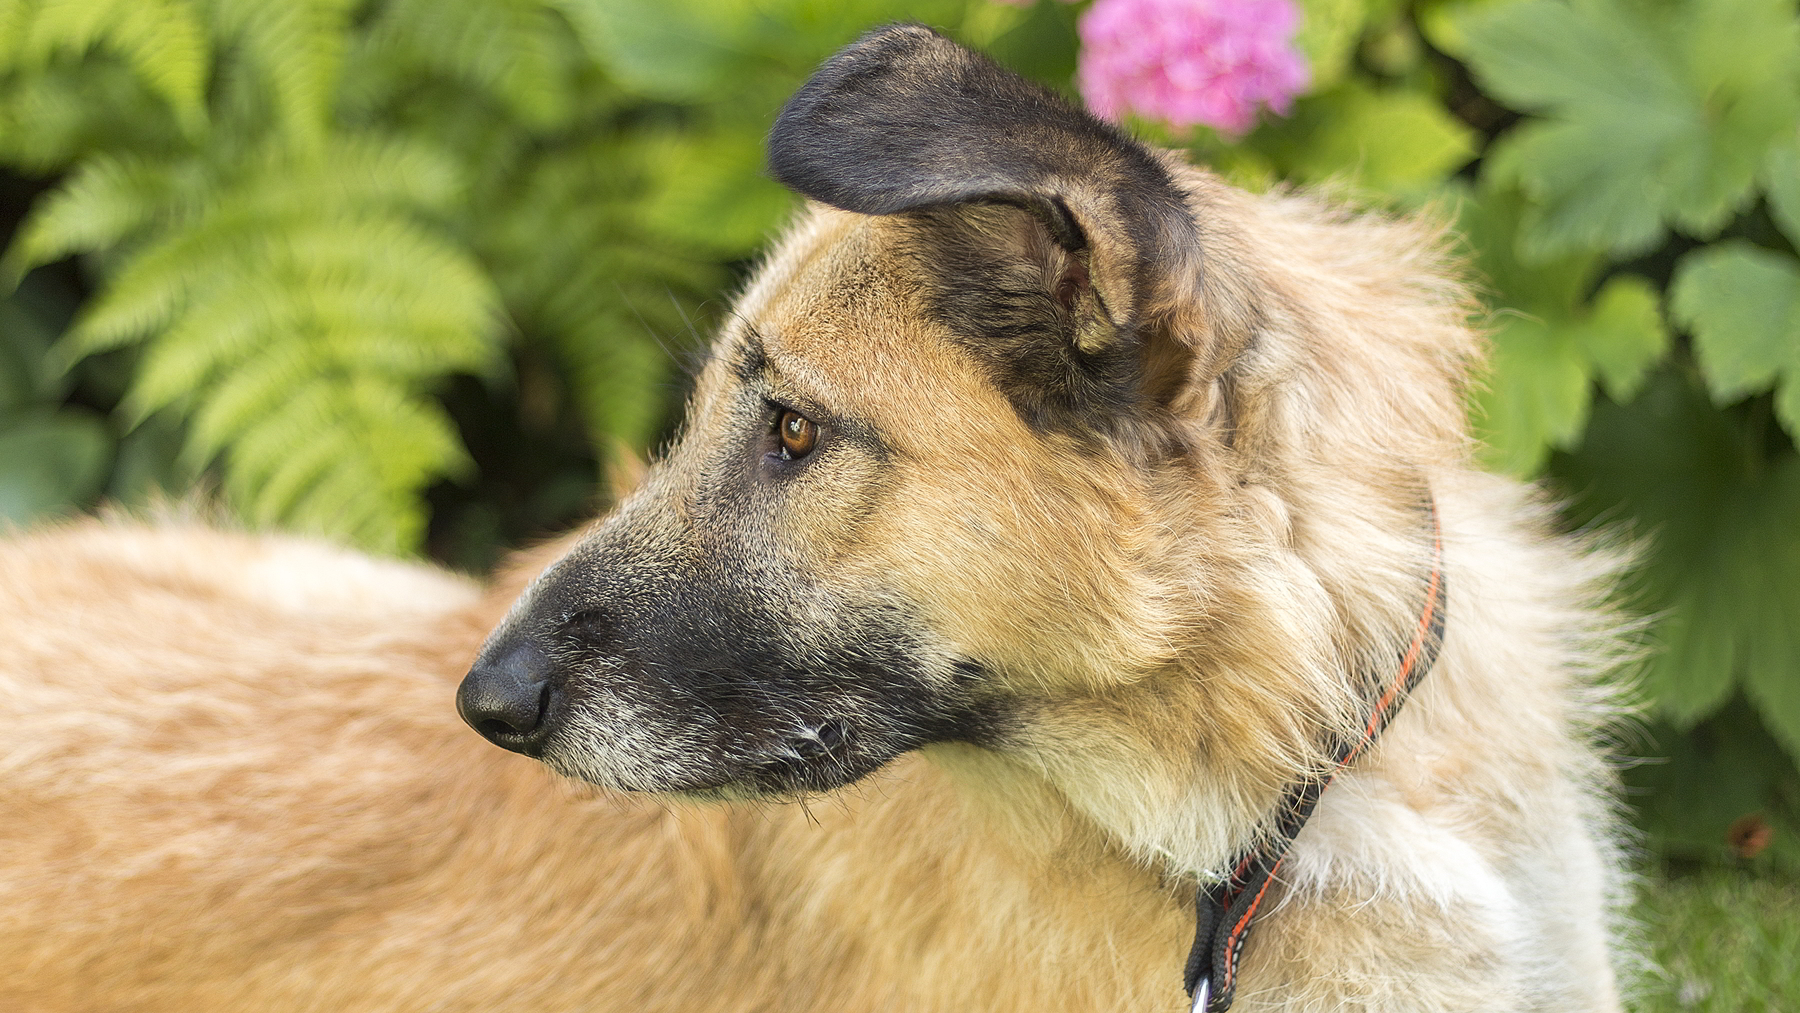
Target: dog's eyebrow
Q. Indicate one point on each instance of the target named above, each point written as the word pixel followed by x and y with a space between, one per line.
pixel 750 362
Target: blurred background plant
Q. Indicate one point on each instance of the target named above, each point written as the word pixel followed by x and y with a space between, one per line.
pixel 417 274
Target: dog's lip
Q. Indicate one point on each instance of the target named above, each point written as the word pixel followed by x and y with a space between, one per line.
pixel 768 773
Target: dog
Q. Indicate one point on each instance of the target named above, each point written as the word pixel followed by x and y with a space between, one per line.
pixel 1063 548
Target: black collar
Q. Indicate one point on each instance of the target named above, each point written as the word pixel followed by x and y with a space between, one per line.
pixel 1225 910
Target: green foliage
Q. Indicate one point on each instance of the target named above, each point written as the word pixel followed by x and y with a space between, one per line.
pixel 1725 576
pixel 1393 141
pixel 163 41
pixel 310 217
pixel 1641 119
pixel 50 455
pixel 1651 114
pixel 1552 341
pixel 305 252
pixel 1742 304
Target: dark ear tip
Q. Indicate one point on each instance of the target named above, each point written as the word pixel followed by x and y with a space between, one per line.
pixel 863 67
pixel 877 126
pixel 897 41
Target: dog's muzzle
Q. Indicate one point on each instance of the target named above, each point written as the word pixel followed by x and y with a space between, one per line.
pixel 506 696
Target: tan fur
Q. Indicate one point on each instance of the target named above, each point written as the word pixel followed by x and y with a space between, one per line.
pixel 233 778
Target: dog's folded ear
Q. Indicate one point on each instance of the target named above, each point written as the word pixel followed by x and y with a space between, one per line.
pixel 904 120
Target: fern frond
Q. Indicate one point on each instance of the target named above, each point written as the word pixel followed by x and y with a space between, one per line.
pixel 106 199
pixel 164 41
pixel 610 327
pixel 146 293
pixel 347 456
pixel 216 331
pixel 297 308
pixel 514 50
pixel 277 194
pixel 211 229
pixel 577 268
pixel 242 396
pixel 298 47
pixel 380 296
pixel 50 119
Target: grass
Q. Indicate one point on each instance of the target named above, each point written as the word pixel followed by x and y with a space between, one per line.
pixel 1724 941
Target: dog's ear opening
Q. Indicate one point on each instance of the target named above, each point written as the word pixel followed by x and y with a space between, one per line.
pixel 904 120
pixel 1026 307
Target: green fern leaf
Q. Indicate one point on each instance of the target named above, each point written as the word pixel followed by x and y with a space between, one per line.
pixel 164 41
pixel 241 396
pixel 517 51
pixel 106 199
pixel 345 457
pixel 298 47
pixel 576 270
pixel 297 311
pixel 50 119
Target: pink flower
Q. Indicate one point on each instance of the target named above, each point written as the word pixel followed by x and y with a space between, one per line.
pixel 1190 61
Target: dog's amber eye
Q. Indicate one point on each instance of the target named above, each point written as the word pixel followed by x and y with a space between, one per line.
pixel 798 435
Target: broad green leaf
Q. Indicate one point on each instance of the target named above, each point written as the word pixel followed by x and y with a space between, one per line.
pixel 1583 195
pixel 1535 395
pixel 51 464
pixel 1743 305
pixel 1722 577
pixel 1549 344
pixel 1388 141
pixel 1441 22
pixel 1329 30
pixel 671 49
pixel 1651 114
pixel 1767 555
pixel 1489 222
pixel 1624 335
pixel 1696 669
pixel 1782 177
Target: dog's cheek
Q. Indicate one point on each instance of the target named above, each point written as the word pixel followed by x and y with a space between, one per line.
pixel 1028 560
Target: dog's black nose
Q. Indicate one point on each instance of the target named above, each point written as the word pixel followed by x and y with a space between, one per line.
pixel 506 696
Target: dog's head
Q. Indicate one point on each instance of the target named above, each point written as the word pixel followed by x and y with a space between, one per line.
pixel 993 430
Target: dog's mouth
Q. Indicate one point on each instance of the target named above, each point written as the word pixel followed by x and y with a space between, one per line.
pixel 816 759
pixel 705 760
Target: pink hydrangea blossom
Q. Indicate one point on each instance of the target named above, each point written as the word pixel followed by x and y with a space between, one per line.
pixel 1190 61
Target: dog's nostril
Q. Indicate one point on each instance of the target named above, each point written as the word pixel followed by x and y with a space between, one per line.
pixel 506 696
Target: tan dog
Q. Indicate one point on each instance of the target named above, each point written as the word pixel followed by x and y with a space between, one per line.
pixel 1047 512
